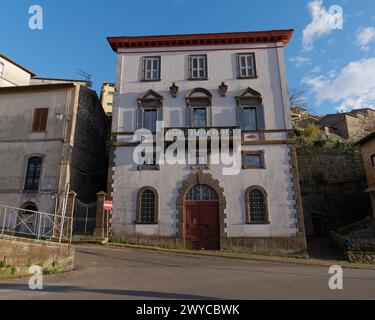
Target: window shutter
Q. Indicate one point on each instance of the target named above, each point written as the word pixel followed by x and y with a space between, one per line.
pixel 242 121
pixel 190 67
pixel 239 116
pixel 40 120
pixel 260 117
pixel 209 116
pixel 159 114
pixel 238 66
pixel 139 118
pixel 143 68
pixel 188 117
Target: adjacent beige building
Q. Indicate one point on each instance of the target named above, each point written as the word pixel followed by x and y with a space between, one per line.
pixel 52 139
pixel 106 97
pixel 12 73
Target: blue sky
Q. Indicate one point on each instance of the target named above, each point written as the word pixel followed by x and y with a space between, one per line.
pixel 335 68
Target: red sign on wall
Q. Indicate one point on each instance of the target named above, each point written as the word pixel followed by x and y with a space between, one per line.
pixel 108 205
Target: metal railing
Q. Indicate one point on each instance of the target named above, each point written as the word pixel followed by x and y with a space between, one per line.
pixel 35 224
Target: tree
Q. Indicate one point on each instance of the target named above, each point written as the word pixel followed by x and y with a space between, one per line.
pixel 297 99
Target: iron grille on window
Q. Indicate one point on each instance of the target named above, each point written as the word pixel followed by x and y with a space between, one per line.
pixel 202 193
pixel 257 207
pixel 148 207
pixel 34 167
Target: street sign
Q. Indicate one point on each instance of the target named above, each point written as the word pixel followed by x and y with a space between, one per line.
pixel 108 205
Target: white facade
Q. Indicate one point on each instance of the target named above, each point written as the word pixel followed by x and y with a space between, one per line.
pixel 276 178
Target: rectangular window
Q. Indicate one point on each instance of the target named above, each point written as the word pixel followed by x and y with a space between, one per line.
pixel 149 163
pixel 199 117
pixel 253 160
pixel 149 119
pixel 40 120
pixel 151 68
pixel 249 119
pixel 198 67
pixel 373 161
pixel 246 65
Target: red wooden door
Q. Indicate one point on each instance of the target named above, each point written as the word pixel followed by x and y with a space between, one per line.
pixel 202 225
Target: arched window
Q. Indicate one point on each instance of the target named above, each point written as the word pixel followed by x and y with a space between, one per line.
pixel 201 192
pixel 256 206
pixel 147 206
pixel 34 168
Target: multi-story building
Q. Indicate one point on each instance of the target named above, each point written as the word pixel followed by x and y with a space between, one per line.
pixel 13 74
pixel 106 97
pixel 52 139
pixel 353 125
pixel 227 80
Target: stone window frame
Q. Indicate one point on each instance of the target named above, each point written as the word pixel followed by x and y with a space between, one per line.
pixel 238 61
pixel 201 101
pixel 247 206
pixel 144 59
pixel 138 211
pixel 150 167
pixel 190 69
pixel 149 100
pixel 26 166
pixel 206 166
pixel 261 153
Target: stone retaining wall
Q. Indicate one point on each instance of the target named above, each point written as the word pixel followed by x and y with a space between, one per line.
pixel 18 254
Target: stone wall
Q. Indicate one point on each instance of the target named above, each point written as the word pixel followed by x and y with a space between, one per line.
pixel 18 254
pixel 332 189
pixel 356 250
pixel 89 159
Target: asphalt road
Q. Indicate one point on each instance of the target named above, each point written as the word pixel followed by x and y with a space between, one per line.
pixel 110 273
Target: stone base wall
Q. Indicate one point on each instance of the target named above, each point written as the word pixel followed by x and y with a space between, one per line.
pixel 18 254
pixel 293 246
pixel 355 250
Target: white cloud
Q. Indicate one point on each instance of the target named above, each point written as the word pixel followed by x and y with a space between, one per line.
pixel 299 61
pixel 316 69
pixel 365 36
pixel 352 88
pixel 322 24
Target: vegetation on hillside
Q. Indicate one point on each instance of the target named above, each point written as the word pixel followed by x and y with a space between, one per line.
pixel 311 140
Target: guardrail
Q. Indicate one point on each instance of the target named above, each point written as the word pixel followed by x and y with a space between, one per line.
pixel 35 224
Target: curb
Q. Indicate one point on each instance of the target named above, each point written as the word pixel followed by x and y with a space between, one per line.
pixel 254 257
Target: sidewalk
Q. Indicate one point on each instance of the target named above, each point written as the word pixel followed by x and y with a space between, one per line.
pixel 248 256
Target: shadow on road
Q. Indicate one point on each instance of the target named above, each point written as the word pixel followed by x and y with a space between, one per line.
pixel 130 293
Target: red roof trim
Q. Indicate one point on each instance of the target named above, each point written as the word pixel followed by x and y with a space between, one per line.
pixel 209 39
pixel 18 65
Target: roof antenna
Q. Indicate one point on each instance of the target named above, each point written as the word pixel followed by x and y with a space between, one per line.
pixel 85 75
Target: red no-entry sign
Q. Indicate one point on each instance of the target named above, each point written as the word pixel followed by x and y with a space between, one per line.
pixel 108 205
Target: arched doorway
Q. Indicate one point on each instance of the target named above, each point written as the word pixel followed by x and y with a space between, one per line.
pixel 202 218
pixel 28 219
